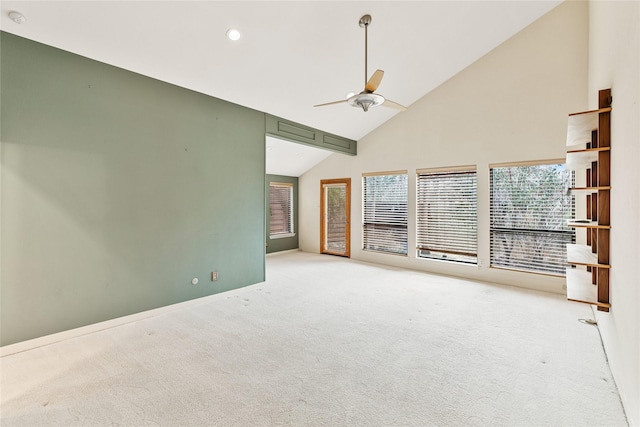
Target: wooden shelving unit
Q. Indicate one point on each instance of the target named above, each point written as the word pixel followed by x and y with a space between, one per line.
pixel 580 288
pixel 586 224
pixel 590 190
pixel 582 159
pixel 582 124
pixel 589 148
pixel 583 255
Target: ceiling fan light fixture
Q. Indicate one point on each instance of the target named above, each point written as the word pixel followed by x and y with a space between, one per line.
pixel 365 100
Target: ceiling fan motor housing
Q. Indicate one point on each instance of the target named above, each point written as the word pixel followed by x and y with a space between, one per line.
pixel 365 100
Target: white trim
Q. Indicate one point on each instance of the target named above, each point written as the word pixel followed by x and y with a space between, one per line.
pixel 31 344
pixel 282 252
pixel 281 184
pixel 402 172
pixel 470 168
pixel 528 163
pixel 281 236
pixel 448 261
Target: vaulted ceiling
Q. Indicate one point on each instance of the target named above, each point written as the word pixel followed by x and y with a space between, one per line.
pixel 292 54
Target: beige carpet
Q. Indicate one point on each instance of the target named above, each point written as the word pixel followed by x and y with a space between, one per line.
pixel 327 341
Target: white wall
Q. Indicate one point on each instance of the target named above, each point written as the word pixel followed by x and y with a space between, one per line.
pixel 511 105
pixel 614 52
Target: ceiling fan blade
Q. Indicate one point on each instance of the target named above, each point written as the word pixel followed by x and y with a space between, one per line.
pixel 374 81
pixel 391 104
pixel 331 103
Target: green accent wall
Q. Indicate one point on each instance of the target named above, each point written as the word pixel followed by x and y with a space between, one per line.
pixel 285 243
pixel 117 191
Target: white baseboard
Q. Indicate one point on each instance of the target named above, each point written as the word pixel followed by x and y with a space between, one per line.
pixel 288 251
pixel 95 327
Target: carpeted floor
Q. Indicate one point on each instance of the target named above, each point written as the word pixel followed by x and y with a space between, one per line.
pixel 327 341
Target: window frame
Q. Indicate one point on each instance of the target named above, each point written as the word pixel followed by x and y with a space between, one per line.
pixel 377 243
pixel 453 244
pixel 556 269
pixel 290 232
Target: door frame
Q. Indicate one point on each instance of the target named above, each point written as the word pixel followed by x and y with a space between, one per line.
pixel 323 231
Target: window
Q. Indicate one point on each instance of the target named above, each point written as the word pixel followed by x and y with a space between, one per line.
pixel 530 206
pixel 447 214
pixel 385 212
pixel 280 210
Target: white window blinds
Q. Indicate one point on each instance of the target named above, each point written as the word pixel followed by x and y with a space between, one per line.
pixel 280 209
pixel 385 212
pixel 530 206
pixel 447 214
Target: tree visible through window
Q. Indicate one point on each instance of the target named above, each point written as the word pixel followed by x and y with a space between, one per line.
pixel 280 209
pixel 530 206
pixel 385 213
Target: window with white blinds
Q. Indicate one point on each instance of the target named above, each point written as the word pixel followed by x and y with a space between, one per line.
pixel 530 206
pixel 447 214
pixel 385 212
pixel 280 209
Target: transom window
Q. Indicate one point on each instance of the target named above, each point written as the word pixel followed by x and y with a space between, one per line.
pixel 447 214
pixel 385 212
pixel 530 206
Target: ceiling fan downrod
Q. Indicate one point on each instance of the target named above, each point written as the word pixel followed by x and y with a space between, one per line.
pixel 364 22
pixel 366 98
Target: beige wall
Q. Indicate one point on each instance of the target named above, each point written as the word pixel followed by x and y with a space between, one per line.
pixel 614 61
pixel 511 105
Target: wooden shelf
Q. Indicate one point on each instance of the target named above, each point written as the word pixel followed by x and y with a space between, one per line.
pixel 590 189
pixel 590 112
pixel 582 255
pixel 581 125
pixel 580 288
pixel 582 159
pixel 586 224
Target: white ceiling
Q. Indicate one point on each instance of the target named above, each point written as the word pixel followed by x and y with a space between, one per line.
pixel 289 159
pixel 292 54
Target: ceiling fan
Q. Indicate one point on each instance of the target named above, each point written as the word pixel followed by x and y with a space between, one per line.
pixel 367 98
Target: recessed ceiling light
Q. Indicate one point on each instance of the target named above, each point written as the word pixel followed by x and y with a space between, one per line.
pixel 17 17
pixel 233 34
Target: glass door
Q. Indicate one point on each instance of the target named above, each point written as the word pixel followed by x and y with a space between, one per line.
pixel 335 216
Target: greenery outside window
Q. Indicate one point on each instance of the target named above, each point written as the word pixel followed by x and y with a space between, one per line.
pixel 530 206
pixel 447 214
pixel 281 210
pixel 385 212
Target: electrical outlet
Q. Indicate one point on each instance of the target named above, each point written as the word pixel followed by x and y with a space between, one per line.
pixel 214 276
